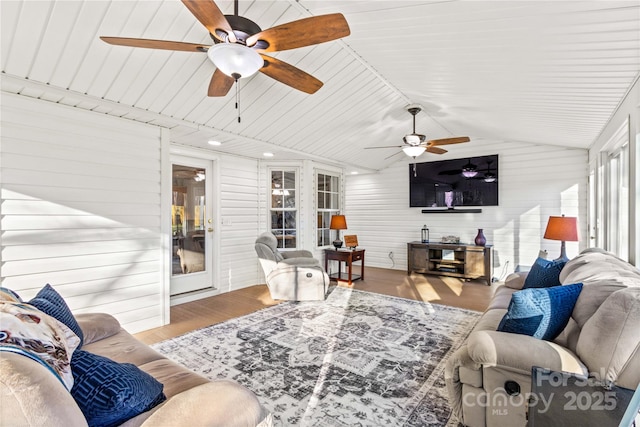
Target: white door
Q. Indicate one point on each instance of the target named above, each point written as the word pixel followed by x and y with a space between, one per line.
pixel 192 225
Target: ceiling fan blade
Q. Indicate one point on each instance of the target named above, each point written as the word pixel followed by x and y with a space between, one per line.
pixel 436 150
pixel 220 84
pixel 290 75
pixel 385 146
pixel 303 32
pixel 451 172
pixel 393 155
pixel 447 141
pixel 210 15
pixel 156 44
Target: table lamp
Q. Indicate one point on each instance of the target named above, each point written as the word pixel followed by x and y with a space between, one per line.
pixel 563 228
pixel 338 222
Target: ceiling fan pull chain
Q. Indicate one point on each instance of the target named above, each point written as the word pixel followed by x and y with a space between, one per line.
pixel 238 98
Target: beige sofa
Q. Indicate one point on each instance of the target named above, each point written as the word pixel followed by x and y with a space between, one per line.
pixel 30 395
pixel 602 340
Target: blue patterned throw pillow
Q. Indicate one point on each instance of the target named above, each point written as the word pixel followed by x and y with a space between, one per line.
pixel 109 393
pixel 541 313
pixel 544 274
pixel 51 302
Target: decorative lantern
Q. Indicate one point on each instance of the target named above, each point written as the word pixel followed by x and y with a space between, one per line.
pixel 425 234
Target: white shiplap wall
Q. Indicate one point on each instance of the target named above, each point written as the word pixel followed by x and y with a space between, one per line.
pixel 81 209
pixel 238 227
pixel 535 182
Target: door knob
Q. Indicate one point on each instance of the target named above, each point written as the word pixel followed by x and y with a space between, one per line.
pixel 210 229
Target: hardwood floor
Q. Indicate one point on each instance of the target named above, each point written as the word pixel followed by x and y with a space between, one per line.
pixel 473 295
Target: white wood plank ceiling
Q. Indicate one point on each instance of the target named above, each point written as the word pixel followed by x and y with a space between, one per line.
pixel 518 71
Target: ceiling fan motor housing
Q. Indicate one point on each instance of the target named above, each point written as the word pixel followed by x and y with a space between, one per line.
pixel 243 28
pixel 414 109
pixel 414 138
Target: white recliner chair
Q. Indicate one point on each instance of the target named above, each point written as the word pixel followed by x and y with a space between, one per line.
pixel 291 275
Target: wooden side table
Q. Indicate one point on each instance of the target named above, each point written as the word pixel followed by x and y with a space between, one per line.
pixel 348 257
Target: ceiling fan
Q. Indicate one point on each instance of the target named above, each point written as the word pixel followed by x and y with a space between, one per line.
pixel 415 144
pixel 239 45
pixel 471 171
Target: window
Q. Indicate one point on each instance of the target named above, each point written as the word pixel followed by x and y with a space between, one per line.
pixel 609 218
pixel 328 203
pixel 618 202
pixel 283 210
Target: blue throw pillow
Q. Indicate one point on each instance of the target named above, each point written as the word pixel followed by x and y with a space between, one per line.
pixel 109 393
pixel 544 274
pixel 541 313
pixel 51 302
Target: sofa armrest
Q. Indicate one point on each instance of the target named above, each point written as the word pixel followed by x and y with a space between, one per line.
pixel 521 353
pixel 301 253
pixel 516 280
pixel 97 326
pixel 218 403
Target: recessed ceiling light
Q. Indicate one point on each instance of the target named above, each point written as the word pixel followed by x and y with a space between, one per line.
pixel 212 142
pixel 267 154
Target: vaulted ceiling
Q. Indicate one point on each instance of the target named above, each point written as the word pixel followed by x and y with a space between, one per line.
pixel 518 71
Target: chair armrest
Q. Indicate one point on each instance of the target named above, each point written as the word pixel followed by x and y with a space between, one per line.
pixel 521 352
pixel 97 326
pixel 516 280
pixel 302 253
pixel 218 403
pixel 298 262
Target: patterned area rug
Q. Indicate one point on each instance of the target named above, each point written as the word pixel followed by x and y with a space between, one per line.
pixel 356 359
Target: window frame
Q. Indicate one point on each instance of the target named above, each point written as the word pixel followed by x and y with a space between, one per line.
pixel 609 220
pixel 322 231
pixel 284 210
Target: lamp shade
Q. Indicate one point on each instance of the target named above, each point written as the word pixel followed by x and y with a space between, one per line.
pixel 414 150
pixel 338 222
pixel 235 60
pixel 563 228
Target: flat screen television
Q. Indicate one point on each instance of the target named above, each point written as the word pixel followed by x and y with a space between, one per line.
pixel 451 183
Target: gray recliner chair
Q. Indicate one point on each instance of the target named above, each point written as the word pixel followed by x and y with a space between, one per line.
pixel 291 275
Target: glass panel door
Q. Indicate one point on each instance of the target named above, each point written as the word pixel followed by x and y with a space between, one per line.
pixel 191 226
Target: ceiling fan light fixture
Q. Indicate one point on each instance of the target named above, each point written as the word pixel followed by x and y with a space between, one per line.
pixel 489 177
pixel 413 150
pixel 235 60
pixel 469 173
pixel 469 170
